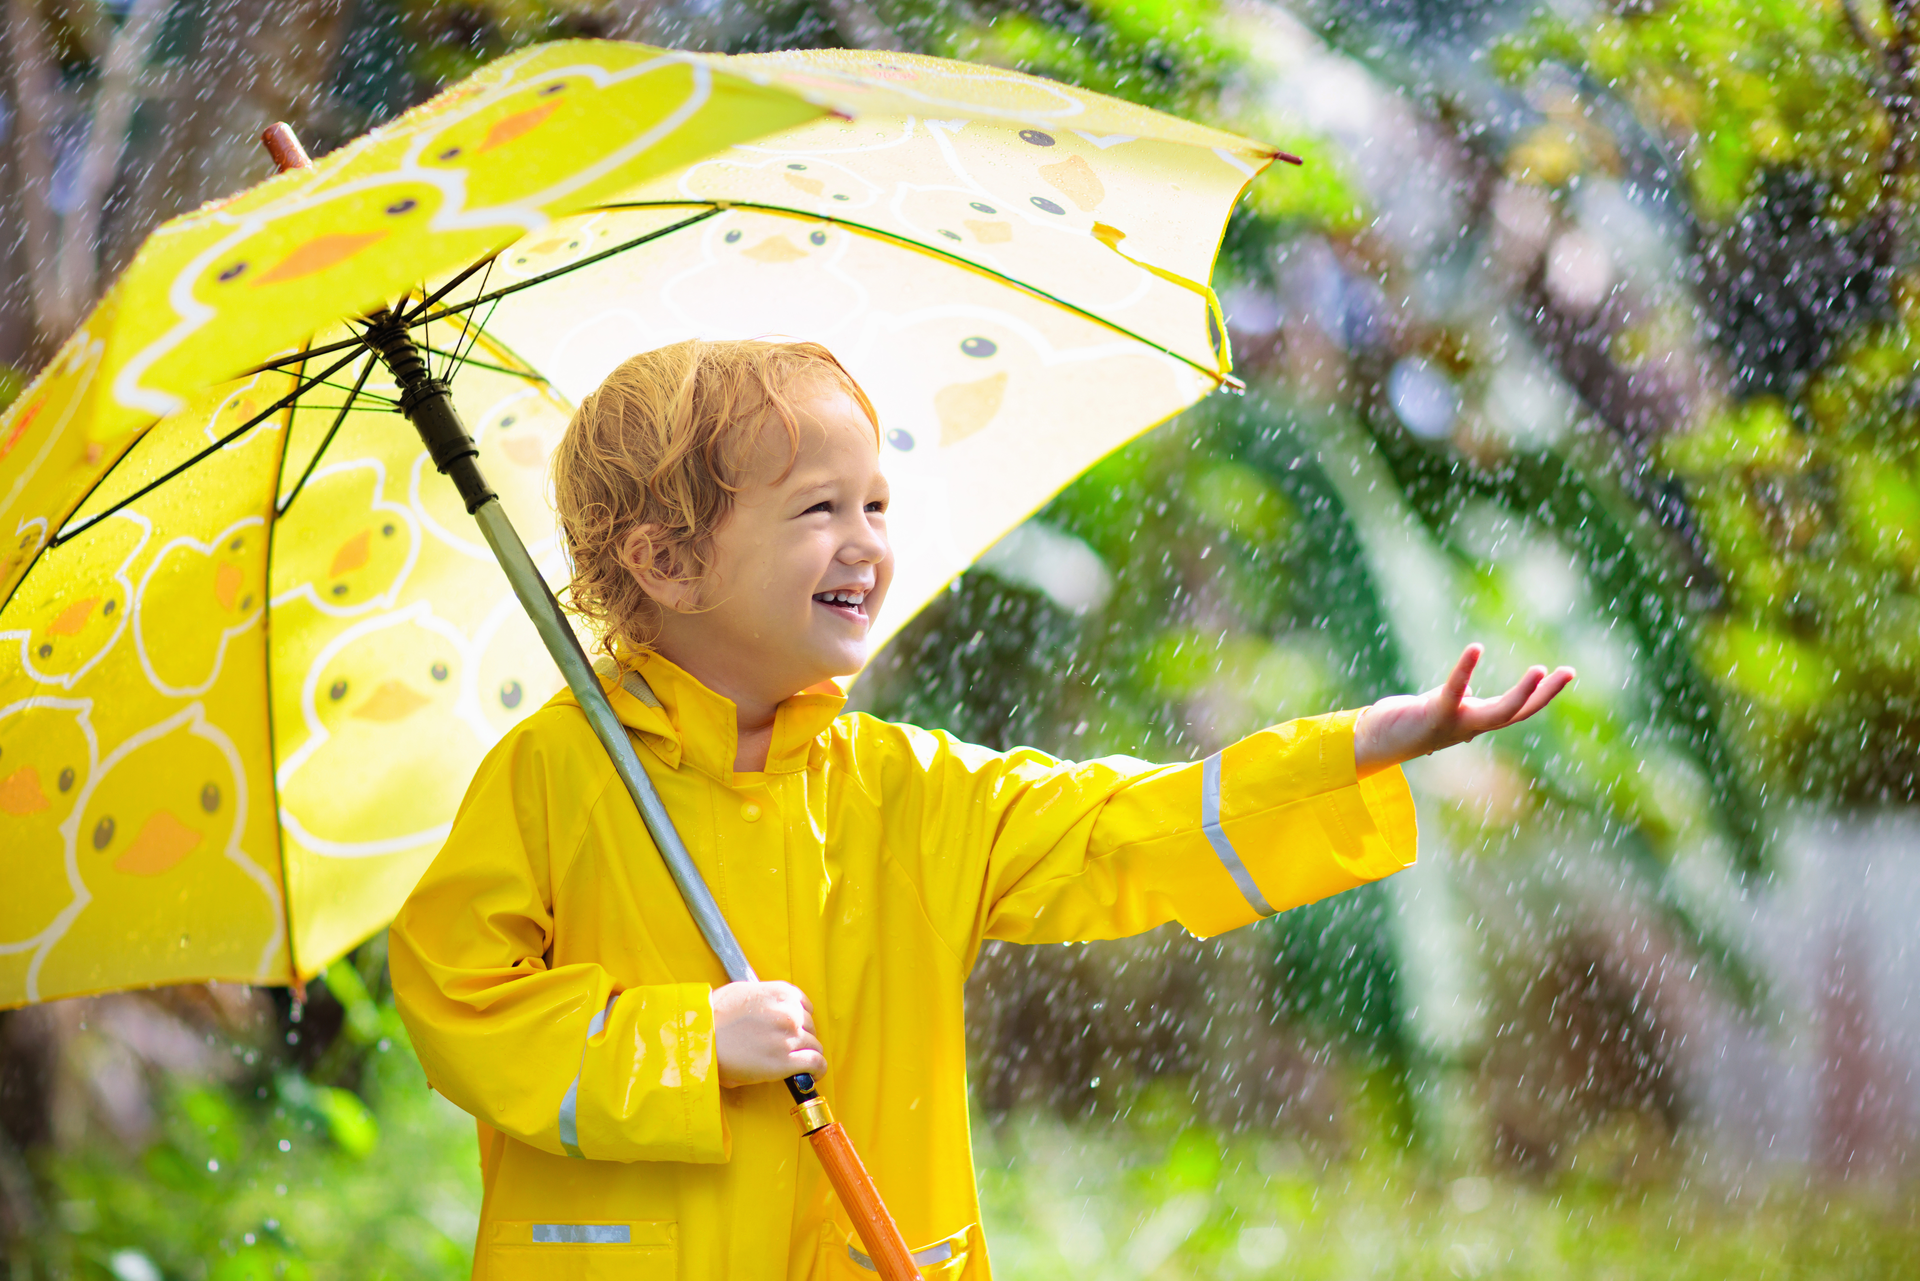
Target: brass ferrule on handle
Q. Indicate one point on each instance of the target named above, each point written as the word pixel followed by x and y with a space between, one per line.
pixel 813 1114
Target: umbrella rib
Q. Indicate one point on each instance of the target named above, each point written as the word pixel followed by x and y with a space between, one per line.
pixel 879 234
pixel 308 354
pixel 413 317
pixel 354 393
pixel 280 508
pixel 473 331
pixel 410 318
pixel 74 531
pixel 487 365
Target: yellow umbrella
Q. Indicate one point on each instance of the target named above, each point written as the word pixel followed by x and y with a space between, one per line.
pixel 251 650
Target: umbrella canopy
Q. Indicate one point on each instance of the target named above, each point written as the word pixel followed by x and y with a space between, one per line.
pixel 252 648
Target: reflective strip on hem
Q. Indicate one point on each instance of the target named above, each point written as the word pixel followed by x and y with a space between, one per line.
pixel 1217 837
pixel 582 1234
pixel 569 1123
pixel 932 1254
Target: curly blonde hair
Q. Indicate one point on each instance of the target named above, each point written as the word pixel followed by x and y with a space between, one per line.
pixel 665 441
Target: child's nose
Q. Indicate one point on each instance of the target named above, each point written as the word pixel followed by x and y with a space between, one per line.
pixel 868 545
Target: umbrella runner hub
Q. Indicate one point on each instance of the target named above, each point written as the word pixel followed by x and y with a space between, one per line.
pixel 428 404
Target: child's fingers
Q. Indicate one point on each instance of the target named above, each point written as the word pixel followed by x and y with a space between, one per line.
pixel 1544 693
pixel 806 1055
pixel 1491 713
pixel 1456 682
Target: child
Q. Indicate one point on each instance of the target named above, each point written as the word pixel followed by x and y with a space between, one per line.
pixel 726 514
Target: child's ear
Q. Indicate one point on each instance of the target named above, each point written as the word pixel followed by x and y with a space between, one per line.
pixel 656 564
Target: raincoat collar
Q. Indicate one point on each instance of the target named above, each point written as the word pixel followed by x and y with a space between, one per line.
pixel 683 721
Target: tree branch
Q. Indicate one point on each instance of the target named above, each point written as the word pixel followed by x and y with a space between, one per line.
pixel 36 100
pixel 113 107
pixel 1900 98
pixel 861 27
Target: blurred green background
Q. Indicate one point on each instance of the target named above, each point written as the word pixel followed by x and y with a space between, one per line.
pixel 1591 331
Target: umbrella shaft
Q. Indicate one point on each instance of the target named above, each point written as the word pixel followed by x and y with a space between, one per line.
pixel 544 610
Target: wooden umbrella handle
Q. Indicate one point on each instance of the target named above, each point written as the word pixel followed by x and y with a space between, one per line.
pixel 854 1186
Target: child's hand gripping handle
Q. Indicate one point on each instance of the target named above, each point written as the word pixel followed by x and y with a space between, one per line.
pixel 851 1182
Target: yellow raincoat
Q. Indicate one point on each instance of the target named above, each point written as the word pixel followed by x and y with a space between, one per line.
pixel 557 989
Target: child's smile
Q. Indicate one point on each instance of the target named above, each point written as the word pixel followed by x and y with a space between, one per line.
pixel 850 604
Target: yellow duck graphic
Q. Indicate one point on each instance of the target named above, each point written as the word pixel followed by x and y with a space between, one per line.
pixel 207 593
pixel 383 740
pixel 288 254
pixel 514 674
pixel 77 597
pixel 516 428
pixel 765 274
pixel 47 758
pixel 168 891
pixel 566 241
pixel 344 546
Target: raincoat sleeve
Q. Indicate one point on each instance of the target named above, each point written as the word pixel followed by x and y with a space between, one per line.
pixel 1021 847
pixel 558 1057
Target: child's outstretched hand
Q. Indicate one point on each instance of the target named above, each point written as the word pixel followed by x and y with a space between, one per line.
pixel 764 1032
pixel 1408 725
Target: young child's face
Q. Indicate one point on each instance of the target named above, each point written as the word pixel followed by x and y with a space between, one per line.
pixel 799 566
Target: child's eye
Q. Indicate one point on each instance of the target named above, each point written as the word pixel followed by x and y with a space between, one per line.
pixel 877 506
pixel 822 506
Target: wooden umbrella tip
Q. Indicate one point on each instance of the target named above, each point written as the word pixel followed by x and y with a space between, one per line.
pixel 284 147
pixel 1288 156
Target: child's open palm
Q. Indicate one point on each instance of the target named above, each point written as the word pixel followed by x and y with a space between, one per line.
pixel 1404 726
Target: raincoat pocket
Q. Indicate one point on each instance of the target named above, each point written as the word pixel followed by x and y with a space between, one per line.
pixel 525 1250
pixel 943 1260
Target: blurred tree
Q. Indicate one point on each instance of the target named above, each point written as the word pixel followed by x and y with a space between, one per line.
pixel 123 115
pixel 1790 136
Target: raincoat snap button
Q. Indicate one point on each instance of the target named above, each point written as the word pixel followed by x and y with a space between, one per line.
pixel 750 811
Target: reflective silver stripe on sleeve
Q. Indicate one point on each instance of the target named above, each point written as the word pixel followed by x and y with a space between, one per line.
pixel 582 1234
pixel 569 1126
pixel 932 1254
pixel 1217 837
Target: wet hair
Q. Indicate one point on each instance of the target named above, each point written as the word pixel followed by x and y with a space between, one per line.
pixel 666 441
